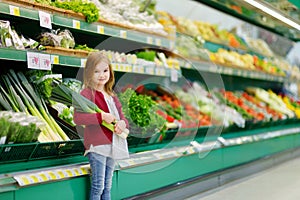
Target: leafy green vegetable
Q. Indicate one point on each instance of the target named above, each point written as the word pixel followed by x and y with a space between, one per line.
pixel 147 55
pixel 140 110
pixel 89 10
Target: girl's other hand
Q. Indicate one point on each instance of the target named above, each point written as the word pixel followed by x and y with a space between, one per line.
pixel 120 126
pixel 107 117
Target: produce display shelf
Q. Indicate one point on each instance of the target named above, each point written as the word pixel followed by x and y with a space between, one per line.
pixel 214 47
pixel 206 66
pixel 34 151
pixel 254 15
pixel 21 55
pixel 97 28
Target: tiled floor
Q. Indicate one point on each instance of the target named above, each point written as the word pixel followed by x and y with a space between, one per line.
pixel 281 182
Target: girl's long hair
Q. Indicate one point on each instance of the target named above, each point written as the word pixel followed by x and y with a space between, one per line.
pixel 93 59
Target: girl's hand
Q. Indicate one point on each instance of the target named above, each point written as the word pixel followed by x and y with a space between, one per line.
pixel 120 126
pixel 107 117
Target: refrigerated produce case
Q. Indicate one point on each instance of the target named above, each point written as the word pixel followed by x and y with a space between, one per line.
pixel 59 170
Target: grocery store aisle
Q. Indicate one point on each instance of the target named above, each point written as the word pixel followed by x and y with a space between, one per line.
pixel 281 182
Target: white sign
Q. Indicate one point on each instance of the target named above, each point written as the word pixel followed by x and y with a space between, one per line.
pixel 45 20
pixel 33 60
pixel 45 61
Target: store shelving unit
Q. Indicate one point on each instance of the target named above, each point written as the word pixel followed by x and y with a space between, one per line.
pixel 188 153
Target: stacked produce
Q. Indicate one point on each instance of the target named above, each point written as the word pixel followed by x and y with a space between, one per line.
pixel 145 58
pixel 272 100
pixel 191 48
pixel 208 32
pixel 131 14
pixel 141 112
pixel 159 59
pixel 292 105
pixel 9 38
pixel 165 19
pixel 19 95
pixel 19 127
pixel 245 61
pixel 57 38
pixel 209 106
pixel 89 10
pixel 259 46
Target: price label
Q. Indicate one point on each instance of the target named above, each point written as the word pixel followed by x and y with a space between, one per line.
pixel 84 170
pixel 35 178
pixel 149 40
pixel 45 61
pixel 158 42
pixel 188 65
pixel 76 24
pixel 45 20
pixel 2 140
pixel 172 45
pixel 160 71
pixel 159 156
pixel 43 177
pixel 55 59
pixel 131 162
pixel 128 68
pixel 82 62
pixel 123 34
pixel 149 70
pixel 190 150
pixel 53 175
pixel 100 29
pixel 33 60
pixel 23 180
pixel 138 69
pixel 70 172
pixel 121 67
pixel 78 171
pixel 174 75
pixel 62 173
pixel 13 10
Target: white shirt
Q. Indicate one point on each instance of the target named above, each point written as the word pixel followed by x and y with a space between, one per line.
pixel 118 149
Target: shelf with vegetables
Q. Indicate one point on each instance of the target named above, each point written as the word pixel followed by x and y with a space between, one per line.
pixel 97 28
pixel 75 61
pixel 231 51
pixel 260 13
pixel 211 69
pixel 70 60
pixel 193 117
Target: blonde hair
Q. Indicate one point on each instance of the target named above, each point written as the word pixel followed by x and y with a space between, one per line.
pixel 93 60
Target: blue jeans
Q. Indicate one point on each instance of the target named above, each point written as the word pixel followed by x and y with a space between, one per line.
pixel 102 171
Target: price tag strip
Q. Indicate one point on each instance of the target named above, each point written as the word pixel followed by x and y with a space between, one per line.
pixel 14 10
pixel 38 61
pixel 51 175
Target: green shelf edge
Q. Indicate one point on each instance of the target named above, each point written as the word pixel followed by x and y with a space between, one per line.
pixel 20 55
pixel 207 66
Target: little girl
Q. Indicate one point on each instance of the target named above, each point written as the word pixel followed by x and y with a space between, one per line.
pixel 102 146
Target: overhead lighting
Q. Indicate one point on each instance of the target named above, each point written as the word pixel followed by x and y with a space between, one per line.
pixel 273 14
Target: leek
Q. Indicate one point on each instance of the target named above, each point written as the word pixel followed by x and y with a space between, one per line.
pixel 4 103
pixel 9 100
pixel 24 101
pixel 39 102
pixel 65 95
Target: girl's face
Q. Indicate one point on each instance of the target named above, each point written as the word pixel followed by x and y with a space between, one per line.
pixel 101 75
